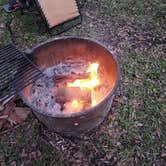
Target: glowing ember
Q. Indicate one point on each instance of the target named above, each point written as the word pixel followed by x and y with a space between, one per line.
pixel 75 104
pixel 73 107
pixel 79 88
pixel 89 83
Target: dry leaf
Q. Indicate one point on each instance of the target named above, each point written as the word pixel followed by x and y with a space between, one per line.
pixel 2 107
pixel 33 155
pixel 9 107
pixel 5 114
pixel 12 114
pixel 23 154
pixel 3 117
pixel 14 118
pixel 13 163
pixel 2 25
pixel 2 122
pixel 163 155
pixel 6 103
pixel 22 112
pixel 19 115
pixel 123 164
pixel 139 124
pixel 3 163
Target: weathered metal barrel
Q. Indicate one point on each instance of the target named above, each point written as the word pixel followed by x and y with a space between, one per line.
pixel 72 48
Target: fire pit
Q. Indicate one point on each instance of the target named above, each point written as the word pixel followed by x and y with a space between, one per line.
pixel 76 93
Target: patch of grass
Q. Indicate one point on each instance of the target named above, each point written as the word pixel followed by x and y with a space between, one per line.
pixel 142 116
pixel 28 147
pixel 135 135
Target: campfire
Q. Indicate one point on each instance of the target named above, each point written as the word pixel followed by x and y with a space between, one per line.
pixel 79 83
pixel 71 87
pixel 84 85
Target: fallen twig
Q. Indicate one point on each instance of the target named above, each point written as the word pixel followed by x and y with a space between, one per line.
pixel 3 117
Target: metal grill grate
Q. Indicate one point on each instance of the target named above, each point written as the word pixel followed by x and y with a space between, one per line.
pixel 16 71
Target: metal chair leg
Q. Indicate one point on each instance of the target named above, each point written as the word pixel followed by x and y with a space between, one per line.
pixel 33 18
pixel 8 26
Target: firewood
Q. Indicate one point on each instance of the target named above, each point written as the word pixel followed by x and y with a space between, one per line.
pixel 70 77
pixel 68 109
pixel 71 93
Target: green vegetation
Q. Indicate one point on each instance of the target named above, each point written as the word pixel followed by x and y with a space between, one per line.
pixel 135 130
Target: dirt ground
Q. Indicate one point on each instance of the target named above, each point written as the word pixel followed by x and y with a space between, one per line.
pixel 134 131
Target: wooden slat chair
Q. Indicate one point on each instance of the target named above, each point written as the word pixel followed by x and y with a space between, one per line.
pixel 62 14
pixel 57 12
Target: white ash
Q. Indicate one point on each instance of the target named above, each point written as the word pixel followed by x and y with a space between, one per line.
pixel 68 67
pixel 43 96
pixel 43 89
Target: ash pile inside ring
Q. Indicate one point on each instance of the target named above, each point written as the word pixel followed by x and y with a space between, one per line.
pixel 58 91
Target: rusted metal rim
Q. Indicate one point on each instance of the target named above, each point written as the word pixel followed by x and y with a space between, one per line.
pixel 86 111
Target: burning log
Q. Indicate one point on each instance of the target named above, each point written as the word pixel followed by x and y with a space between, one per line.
pixel 65 94
pixel 60 79
pixel 73 107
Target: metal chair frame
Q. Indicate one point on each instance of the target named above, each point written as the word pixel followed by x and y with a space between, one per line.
pixel 24 9
pixel 27 10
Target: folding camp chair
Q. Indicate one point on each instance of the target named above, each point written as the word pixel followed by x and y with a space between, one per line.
pixel 58 14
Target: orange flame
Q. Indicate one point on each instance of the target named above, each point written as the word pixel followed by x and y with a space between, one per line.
pixel 73 106
pixel 89 83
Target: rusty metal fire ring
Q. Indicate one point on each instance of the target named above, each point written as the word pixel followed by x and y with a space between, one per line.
pixel 75 123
